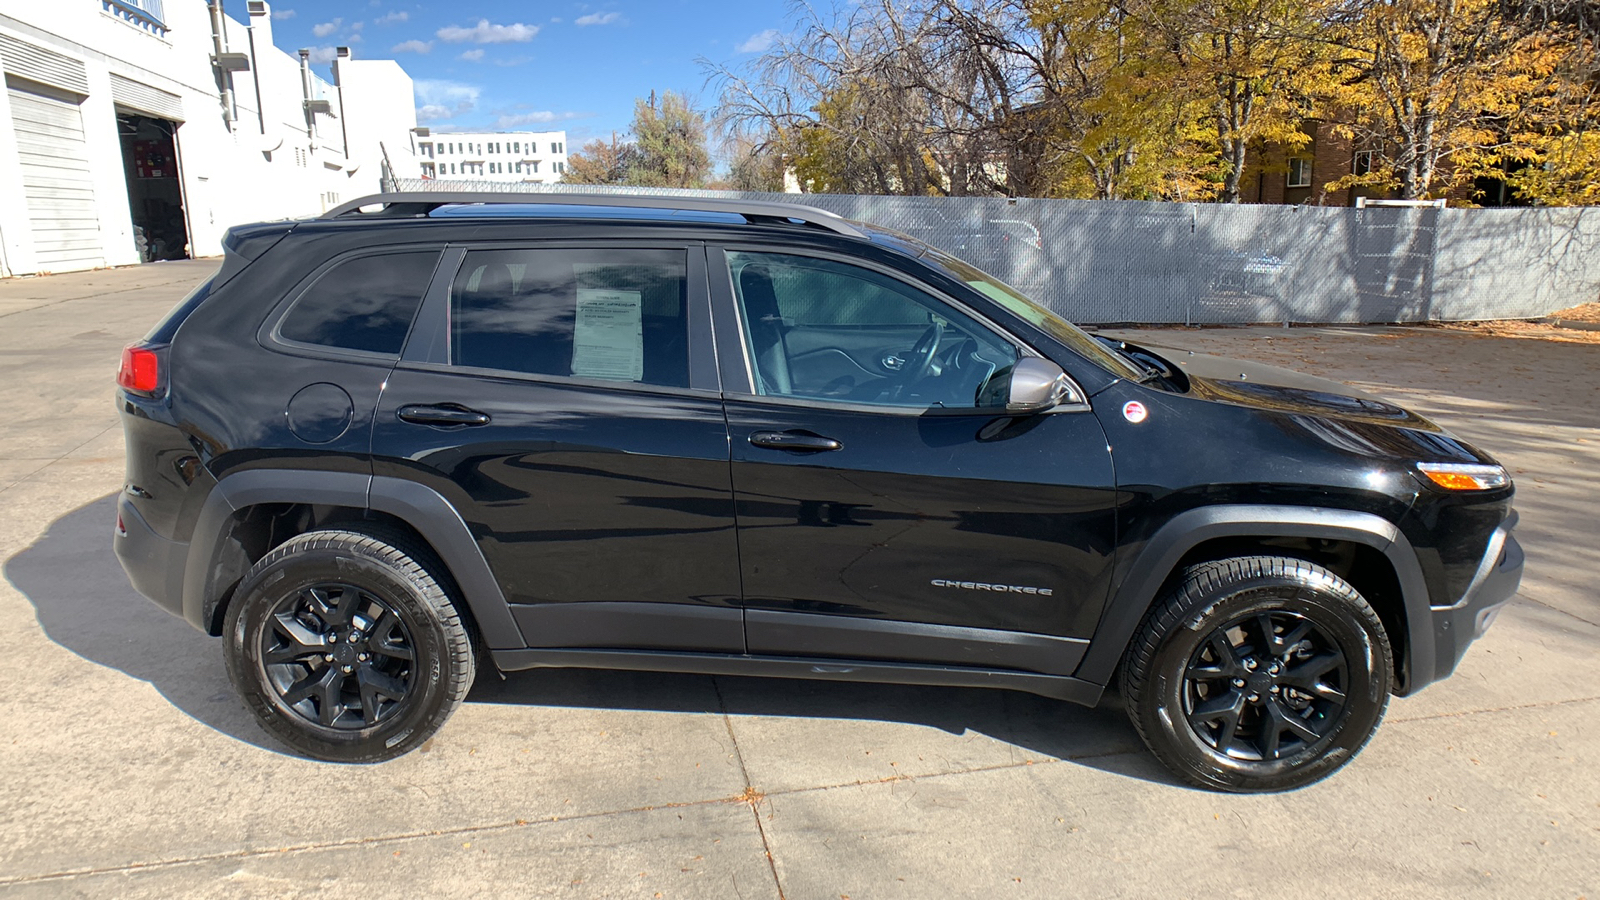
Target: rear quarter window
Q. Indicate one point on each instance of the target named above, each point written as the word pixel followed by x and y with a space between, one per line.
pixel 363 304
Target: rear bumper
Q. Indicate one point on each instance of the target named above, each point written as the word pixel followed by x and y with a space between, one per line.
pixel 153 563
pixel 1456 627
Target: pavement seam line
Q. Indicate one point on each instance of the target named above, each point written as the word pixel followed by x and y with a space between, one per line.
pixel 404 837
pixel 743 798
pixel 1536 601
pixel 1550 704
pixel 97 436
pixel 527 823
pixel 750 796
pixel 18 312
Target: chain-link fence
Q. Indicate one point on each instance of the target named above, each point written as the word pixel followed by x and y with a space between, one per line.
pixel 1100 262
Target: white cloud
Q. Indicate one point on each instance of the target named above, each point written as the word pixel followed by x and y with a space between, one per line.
pixel 509 123
pixel 280 14
pixel 597 18
pixel 475 55
pixel 439 99
pixel 758 42
pixel 357 26
pixel 541 117
pixel 326 28
pixel 412 46
pixel 324 54
pixel 393 18
pixel 486 33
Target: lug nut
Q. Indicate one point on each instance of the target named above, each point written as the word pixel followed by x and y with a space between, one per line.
pixel 1253 698
pixel 1250 664
pixel 327 657
pixel 1237 682
pixel 1273 689
pixel 363 657
pixel 348 670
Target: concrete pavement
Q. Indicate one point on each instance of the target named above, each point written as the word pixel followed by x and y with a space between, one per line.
pixel 129 769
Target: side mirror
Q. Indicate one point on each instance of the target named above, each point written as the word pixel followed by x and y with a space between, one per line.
pixel 1036 385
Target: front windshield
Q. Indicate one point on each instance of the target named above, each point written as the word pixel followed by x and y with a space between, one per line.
pixel 1015 303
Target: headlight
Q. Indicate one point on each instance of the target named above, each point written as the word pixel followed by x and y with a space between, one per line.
pixel 1465 477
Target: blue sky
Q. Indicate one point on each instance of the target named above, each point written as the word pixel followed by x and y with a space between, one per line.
pixel 536 66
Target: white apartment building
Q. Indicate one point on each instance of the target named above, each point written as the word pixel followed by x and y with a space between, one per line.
pixel 539 157
pixel 136 130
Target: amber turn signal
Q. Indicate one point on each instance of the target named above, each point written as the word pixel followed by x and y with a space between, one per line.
pixel 1465 477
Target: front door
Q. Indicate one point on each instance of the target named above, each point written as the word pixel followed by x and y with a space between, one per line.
pixel 885 510
pixel 547 393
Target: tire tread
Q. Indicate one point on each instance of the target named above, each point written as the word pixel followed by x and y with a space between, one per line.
pixel 1207 579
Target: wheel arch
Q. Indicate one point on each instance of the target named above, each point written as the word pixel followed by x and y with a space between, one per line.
pixel 1400 593
pixel 250 512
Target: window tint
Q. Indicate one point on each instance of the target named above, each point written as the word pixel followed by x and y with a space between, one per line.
pixel 822 329
pixel 615 315
pixel 362 304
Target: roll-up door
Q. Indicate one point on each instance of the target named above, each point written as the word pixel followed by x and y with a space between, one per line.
pixel 136 96
pixel 56 179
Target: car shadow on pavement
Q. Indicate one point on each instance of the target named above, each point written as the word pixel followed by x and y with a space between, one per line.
pixel 84 603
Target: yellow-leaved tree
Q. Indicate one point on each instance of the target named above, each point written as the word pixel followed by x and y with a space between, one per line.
pixel 1436 89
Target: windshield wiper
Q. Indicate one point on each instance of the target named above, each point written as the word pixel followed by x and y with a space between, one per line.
pixel 1148 372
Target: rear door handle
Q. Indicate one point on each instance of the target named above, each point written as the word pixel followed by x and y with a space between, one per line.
pixel 441 415
pixel 801 441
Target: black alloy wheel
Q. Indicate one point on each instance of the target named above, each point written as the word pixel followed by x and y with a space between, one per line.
pixel 346 646
pixel 1258 674
pixel 1265 686
pixel 338 656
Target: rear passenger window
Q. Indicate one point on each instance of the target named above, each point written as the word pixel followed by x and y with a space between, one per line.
pixel 613 315
pixel 365 303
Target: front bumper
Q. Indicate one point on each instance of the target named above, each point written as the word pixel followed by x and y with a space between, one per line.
pixel 1455 627
pixel 153 563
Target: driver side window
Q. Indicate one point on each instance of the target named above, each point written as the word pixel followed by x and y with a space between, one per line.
pixel 826 330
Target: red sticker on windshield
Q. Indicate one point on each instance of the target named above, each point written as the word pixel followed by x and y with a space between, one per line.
pixel 1135 412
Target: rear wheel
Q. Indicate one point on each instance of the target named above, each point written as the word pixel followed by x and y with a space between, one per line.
pixel 346 647
pixel 1258 674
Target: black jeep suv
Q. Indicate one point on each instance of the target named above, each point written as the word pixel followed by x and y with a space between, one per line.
pixel 428 432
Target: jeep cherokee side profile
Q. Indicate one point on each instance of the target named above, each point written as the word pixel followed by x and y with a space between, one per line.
pixel 426 433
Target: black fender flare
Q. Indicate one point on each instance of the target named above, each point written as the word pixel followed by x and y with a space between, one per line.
pixel 1144 572
pixel 421 507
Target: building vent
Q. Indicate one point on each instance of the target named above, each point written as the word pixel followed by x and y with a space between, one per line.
pixel 142 98
pixel 24 60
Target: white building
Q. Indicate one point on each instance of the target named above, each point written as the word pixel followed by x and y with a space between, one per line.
pixel 539 157
pixel 133 130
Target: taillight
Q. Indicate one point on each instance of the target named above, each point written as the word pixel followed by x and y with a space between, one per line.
pixel 140 371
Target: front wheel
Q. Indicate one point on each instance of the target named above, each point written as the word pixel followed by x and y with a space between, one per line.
pixel 346 647
pixel 1258 674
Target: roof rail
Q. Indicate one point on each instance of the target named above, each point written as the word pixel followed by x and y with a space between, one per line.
pixel 416 204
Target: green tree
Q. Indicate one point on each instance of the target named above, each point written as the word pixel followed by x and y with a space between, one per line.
pixel 670 142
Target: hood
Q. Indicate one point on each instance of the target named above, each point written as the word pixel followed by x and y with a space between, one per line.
pixel 1338 414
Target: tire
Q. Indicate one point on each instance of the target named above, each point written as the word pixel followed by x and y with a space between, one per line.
pixel 1227 707
pixel 291 655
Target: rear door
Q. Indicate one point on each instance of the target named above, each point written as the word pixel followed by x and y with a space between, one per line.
pixel 886 509
pixel 548 393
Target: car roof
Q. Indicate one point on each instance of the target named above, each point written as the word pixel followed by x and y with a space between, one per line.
pixel 457 204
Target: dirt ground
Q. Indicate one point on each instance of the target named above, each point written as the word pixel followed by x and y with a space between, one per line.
pixel 1543 331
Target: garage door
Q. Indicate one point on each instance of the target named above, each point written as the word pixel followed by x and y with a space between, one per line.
pixel 55 178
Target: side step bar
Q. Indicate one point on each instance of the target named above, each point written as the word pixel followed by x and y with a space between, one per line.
pixel 1059 687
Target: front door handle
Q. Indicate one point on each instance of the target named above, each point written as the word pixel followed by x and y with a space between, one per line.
pixel 441 415
pixel 801 441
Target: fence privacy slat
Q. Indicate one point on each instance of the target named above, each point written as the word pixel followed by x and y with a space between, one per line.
pixel 1102 262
